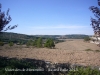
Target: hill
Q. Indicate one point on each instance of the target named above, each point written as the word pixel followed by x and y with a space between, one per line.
pixel 15 37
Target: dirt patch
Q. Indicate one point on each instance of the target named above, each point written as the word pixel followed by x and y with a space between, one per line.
pixel 73 51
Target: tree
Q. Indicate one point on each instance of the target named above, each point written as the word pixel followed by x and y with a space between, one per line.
pixel 96 22
pixel 49 43
pixel 87 39
pixel 39 42
pixel 29 43
pixel 34 43
pixel 5 20
pixel 52 43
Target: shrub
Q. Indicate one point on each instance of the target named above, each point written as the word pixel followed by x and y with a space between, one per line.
pixel 88 50
pixel 39 42
pixel 1 43
pixel 28 44
pixel 11 44
pixel 97 50
pixel 49 43
pixel 87 39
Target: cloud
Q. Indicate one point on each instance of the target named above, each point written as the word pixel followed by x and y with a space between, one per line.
pixel 59 27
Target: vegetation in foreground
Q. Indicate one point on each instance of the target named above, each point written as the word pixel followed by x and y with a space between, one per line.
pixel 14 66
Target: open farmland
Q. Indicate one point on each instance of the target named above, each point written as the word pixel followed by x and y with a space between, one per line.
pixel 72 51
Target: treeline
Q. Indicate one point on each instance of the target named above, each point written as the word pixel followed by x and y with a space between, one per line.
pixel 39 43
pixel 22 39
pixel 5 36
pixel 76 36
pixel 15 37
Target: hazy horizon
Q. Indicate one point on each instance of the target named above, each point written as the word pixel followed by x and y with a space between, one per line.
pixel 50 17
pixel 47 34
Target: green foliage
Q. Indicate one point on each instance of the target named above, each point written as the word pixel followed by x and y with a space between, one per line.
pixel 87 39
pixel 84 71
pixel 59 41
pixel 28 43
pixel 39 42
pixel 49 43
pixel 1 43
pixel 88 50
pixel 20 42
pixel 92 50
pixel 97 50
pixel 7 64
pixel 24 64
pixel 11 44
pixel 34 43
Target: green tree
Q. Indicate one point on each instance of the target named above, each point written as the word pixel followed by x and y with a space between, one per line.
pixel 34 43
pixel 49 43
pixel 39 42
pixel 87 39
pixel 28 43
pixel 11 44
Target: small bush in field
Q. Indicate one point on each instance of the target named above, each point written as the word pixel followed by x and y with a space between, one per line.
pixel 97 50
pixel 88 50
pixel 11 44
pixel 49 43
pixel 1 43
pixel 87 39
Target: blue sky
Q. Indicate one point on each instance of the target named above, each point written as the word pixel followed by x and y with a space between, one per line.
pixel 50 17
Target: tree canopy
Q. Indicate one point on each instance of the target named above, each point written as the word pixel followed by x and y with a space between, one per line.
pixel 5 19
pixel 96 22
pixel 49 43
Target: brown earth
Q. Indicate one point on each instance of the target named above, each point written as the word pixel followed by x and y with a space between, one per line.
pixel 72 51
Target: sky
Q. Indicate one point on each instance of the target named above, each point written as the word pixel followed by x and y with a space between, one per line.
pixel 50 17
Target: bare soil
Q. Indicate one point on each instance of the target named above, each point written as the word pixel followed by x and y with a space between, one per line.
pixel 72 51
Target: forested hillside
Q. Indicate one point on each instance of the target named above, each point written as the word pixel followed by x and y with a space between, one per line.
pixel 15 37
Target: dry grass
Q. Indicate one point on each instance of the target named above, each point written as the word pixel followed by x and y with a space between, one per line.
pixel 73 51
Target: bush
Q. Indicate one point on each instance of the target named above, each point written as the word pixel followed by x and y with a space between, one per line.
pixel 1 43
pixel 39 42
pixel 49 43
pixel 28 44
pixel 87 39
pixel 85 71
pixel 34 43
pixel 97 50
pixel 11 44
pixel 88 50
